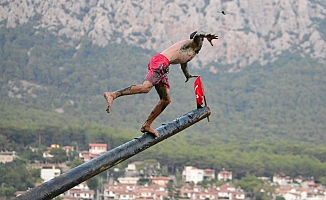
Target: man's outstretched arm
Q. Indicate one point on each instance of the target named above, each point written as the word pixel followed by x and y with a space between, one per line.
pixel 208 36
pixel 184 67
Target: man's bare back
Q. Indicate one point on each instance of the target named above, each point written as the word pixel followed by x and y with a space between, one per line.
pixel 180 52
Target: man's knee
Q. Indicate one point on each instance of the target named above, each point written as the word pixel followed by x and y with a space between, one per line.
pixel 145 89
pixel 165 101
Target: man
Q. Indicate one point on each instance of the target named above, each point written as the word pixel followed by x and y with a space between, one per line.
pixel 179 53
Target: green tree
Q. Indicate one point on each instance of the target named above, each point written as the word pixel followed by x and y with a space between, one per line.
pixel 92 183
pixel 170 189
pixel 8 191
pixel 32 156
pixel 76 162
pixel 322 180
pixel 4 142
pixel 59 155
pixel 15 174
pixel 249 184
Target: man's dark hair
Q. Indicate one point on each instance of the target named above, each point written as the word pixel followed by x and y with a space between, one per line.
pixel 192 35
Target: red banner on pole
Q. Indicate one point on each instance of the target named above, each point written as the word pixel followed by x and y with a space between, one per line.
pixel 199 92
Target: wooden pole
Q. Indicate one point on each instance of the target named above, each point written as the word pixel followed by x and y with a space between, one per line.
pixel 83 172
pixel 206 106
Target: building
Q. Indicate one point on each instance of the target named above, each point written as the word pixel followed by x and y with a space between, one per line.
pixel 224 175
pixel 192 174
pixel 48 156
pixel 81 192
pixel 161 180
pixel 86 156
pixel 224 192
pixel 209 174
pixel 49 172
pixel 133 192
pixel 7 156
pixel 281 179
pixel 131 170
pixel 118 190
pixel 143 169
pixel 239 195
pixel 96 148
pixel 53 146
pixel 67 149
pixel 128 180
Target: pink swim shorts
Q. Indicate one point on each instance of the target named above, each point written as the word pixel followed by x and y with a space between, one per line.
pixel 158 68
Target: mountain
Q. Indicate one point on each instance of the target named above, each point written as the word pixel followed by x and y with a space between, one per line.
pixel 251 31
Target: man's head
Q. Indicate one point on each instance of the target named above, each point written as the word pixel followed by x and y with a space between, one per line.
pixel 192 35
pixel 198 41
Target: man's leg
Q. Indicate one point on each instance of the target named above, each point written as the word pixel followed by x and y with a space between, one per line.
pixel 133 89
pixel 164 94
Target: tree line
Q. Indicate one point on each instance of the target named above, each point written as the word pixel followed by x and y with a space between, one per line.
pixel 243 158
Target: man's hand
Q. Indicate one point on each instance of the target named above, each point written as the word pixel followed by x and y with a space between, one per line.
pixel 210 37
pixel 191 76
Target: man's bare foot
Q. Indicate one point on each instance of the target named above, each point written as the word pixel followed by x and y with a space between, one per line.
pixel 109 98
pixel 149 129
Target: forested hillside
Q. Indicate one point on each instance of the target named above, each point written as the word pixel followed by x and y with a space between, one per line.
pixel 284 100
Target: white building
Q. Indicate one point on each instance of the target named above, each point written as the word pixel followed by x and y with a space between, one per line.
pixel 281 179
pixel 95 148
pixel 224 175
pixel 209 174
pixel 80 194
pixel 128 180
pixel 192 174
pixel 80 191
pixel 81 186
pixel 49 172
pixel 6 156
pixel 161 180
pixel 131 170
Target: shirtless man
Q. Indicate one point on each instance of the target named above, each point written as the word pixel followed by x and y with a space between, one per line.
pixel 179 53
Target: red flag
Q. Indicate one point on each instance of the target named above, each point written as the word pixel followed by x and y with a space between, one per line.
pixel 199 92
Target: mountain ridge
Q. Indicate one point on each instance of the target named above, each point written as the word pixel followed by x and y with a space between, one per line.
pixel 252 31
